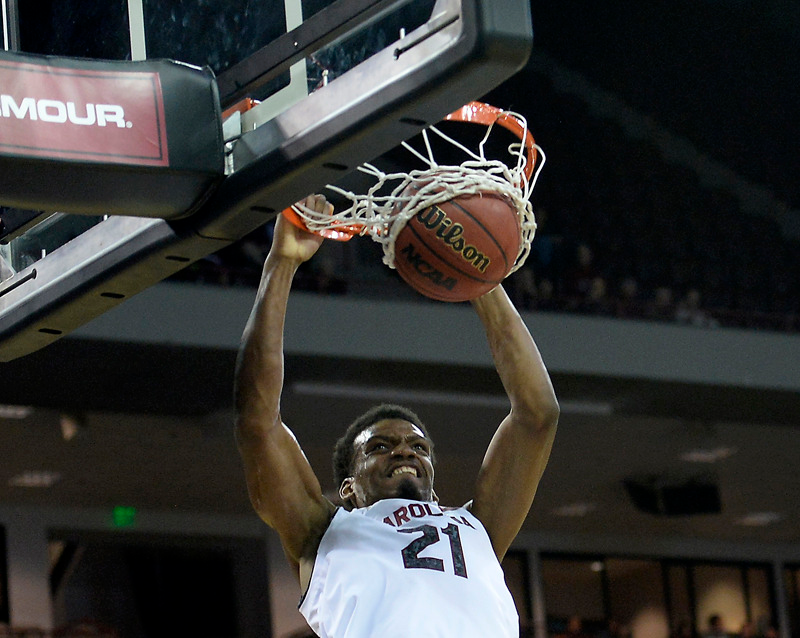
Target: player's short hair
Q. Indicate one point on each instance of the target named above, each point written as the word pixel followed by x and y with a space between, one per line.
pixel 343 451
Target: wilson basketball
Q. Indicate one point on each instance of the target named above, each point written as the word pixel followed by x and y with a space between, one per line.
pixel 459 249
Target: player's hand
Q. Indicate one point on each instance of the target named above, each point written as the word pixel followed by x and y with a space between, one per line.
pixel 292 242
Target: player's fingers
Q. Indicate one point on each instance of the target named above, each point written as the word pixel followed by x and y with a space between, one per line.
pixel 318 203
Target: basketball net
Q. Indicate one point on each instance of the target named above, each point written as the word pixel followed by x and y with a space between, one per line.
pixel 382 212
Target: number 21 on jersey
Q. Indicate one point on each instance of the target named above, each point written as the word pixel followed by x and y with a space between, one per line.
pixel 431 536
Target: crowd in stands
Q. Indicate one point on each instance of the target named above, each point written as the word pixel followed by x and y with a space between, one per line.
pixel 614 215
pixel 78 629
pixel 722 75
pixel 621 233
pixel 576 627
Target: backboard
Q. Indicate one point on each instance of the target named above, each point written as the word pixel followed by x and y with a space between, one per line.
pixel 298 93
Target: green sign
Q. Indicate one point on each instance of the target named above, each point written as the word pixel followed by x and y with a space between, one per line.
pixel 124 516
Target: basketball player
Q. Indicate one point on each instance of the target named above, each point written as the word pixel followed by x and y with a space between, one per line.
pixel 391 561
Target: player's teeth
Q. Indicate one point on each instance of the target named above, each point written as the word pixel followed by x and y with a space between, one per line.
pixel 404 470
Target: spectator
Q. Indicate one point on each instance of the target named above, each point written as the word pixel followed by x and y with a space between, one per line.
pixel 545 296
pixel 596 301
pixel 628 303
pixel 716 628
pixel 660 307
pixel 522 287
pixel 613 629
pixel 574 629
pixel 690 312
pixel 580 275
pixel 545 249
pixel 683 630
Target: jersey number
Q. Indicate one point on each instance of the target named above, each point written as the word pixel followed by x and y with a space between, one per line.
pixel 430 536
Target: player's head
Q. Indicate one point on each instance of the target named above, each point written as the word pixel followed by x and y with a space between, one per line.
pixel 375 457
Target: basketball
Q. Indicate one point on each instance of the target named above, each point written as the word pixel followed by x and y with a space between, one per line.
pixel 459 249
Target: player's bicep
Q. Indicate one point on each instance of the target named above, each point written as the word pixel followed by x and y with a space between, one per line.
pixel 509 477
pixel 282 486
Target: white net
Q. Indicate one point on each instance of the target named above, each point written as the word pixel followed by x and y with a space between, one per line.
pixel 382 211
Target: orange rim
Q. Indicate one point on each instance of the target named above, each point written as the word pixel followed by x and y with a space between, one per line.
pixel 339 233
pixel 486 114
pixel 474 112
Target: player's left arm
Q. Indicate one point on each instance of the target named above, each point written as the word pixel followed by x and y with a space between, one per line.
pixel 520 448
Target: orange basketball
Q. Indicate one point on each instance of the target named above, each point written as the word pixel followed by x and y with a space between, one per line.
pixel 459 249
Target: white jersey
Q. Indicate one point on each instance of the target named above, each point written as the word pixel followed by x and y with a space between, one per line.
pixel 404 568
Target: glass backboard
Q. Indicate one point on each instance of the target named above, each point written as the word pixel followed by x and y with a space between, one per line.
pixel 308 90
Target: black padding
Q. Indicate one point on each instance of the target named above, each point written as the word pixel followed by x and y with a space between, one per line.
pixel 151 183
pixel 674 498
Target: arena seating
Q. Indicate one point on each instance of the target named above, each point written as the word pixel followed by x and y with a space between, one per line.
pixel 622 232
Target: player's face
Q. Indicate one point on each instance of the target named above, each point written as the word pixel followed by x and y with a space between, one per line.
pixel 392 459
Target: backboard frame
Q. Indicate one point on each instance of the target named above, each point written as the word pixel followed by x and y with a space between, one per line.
pixel 469 48
pixel 8 15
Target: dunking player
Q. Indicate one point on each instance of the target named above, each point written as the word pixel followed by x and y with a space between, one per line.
pixel 391 562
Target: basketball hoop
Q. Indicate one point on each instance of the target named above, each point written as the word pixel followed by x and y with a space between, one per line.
pixel 382 212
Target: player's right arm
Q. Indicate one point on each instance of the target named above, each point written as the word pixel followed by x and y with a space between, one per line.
pixel 283 488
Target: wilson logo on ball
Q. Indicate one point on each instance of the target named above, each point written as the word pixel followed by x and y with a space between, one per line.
pixel 435 219
pixel 458 249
